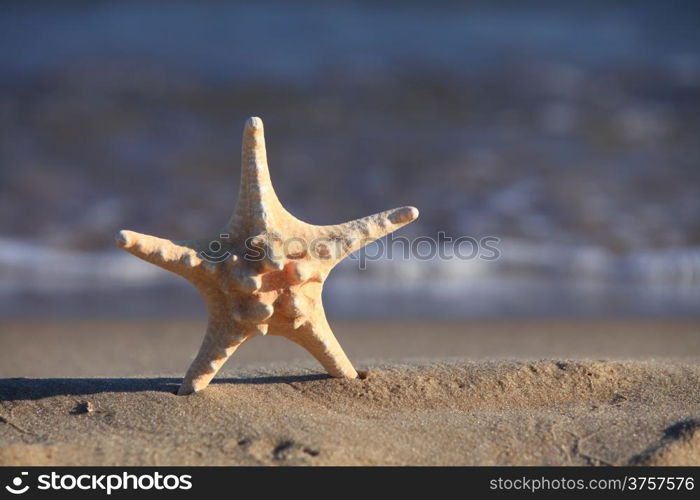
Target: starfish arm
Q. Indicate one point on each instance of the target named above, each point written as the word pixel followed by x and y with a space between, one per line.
pixel 176 256
pixel 358 233
pixel 317 338
pixel 257 201
pixel 218 345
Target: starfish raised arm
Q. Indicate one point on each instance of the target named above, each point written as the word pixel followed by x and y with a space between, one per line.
pixel 358 233
pixel 180 257
pixel 257 201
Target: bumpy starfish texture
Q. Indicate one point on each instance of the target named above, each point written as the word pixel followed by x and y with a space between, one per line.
pixel 264 271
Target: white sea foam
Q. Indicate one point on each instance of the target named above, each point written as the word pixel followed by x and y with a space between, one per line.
pixel 526 279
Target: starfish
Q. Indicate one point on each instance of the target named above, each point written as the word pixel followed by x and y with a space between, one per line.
pixel 264 271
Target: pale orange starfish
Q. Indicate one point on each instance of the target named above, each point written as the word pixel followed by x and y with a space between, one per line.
pixel 264 271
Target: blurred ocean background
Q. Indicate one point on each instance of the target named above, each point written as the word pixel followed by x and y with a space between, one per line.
pixel 568 130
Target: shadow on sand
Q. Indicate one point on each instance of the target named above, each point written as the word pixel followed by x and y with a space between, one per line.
pixel 21 389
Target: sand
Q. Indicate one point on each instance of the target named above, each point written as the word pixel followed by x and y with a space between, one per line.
pixel 482 393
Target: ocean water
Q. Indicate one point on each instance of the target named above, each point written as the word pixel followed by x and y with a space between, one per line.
pixel 566 130
pixel 525 281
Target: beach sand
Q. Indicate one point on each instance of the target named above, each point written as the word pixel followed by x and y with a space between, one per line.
pixel 479 393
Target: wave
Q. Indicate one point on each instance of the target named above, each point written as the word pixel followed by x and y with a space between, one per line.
pixel 527 279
